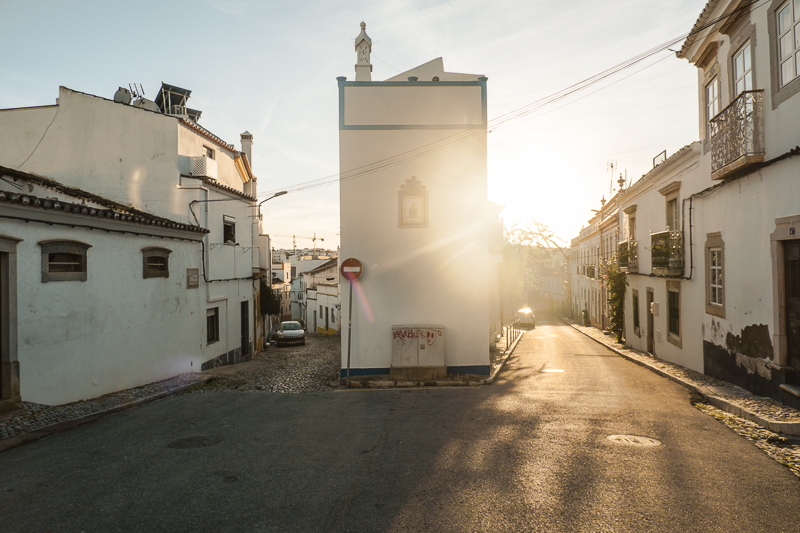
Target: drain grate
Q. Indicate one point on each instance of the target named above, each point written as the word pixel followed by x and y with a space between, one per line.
pixel 634 440
pixel 195 442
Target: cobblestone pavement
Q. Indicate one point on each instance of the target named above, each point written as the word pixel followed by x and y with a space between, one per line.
pixel 291 369
pixel 782 448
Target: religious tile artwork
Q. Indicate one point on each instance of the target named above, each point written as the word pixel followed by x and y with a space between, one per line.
pixel 413 205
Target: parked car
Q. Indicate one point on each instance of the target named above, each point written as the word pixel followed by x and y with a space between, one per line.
pixel 526 318
pixel 290 332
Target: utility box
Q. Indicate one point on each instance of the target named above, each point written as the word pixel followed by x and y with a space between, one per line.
pixel 418 352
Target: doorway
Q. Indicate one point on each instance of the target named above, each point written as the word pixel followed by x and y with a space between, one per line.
pixel 245 319
pixel 650 322
pixel 791 258
pixel 326 320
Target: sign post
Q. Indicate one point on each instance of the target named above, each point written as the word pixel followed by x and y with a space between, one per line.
pixel 351 271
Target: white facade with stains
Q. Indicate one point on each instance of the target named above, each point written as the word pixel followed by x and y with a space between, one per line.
pixel 115 328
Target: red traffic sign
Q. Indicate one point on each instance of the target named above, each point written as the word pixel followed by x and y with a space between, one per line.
pixel 352 269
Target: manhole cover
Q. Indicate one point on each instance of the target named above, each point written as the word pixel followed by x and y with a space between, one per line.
pixel 195 442
pixel 634 440
pixel 552 370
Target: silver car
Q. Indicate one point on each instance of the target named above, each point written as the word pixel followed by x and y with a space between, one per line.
pixel 290 332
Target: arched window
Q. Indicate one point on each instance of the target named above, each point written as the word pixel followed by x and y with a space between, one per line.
pixel 155 262
pixel 64 260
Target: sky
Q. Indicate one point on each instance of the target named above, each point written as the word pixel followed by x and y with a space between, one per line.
pixel 270 68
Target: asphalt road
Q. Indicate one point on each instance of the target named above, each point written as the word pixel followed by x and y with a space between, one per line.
pixel 529 453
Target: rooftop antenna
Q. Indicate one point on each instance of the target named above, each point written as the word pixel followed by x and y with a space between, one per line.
pixel 611 165
pixel 136 90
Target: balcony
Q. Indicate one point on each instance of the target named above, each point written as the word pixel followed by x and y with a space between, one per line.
pixel 667 250
pixel 628 255
pixel 590 271
pixel 737 135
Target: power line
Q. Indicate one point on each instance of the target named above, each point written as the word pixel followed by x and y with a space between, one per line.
pixel 514 115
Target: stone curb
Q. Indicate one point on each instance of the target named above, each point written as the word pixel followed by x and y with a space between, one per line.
pixel 45 431
pixel 389 384
pixel 788 428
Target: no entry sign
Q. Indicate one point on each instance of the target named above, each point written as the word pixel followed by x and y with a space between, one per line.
pixel 352 269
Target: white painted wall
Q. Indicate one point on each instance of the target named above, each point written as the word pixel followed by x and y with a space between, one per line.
pixel 434 275
pixel 133 157
pixel 114 331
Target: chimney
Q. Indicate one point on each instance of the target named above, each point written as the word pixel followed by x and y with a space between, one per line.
pixel 247 146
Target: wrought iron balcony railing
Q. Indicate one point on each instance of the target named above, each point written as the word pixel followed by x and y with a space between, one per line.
pixel 628 255
pixel 737 135
pixel 590 271
pixel 667 253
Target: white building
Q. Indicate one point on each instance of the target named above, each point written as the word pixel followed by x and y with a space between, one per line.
pixel 321 303
pixel 710 236
pixel 88 318
pixel 747 215
pixel 592 252
pixel 414 211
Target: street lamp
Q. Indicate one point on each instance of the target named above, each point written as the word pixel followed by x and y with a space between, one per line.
pixel 268 199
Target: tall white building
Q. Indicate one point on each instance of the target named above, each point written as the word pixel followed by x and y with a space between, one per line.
pixel 414 211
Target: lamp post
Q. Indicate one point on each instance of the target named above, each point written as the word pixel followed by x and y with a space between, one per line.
pixel 269 268
pixel 268 199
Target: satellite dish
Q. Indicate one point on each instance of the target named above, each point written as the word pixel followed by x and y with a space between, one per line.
pixel 122 96
pixel 144 103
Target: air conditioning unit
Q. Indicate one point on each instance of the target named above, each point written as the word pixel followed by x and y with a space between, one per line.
pixel 204 167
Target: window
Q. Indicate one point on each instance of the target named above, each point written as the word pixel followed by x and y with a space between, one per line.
pixel 228 229
pixel 715 275
pixel 742 70
pixel 209 152
pixel 155 262
pixel 64 260
pixel 712 102
pixel 212 325
pixel 674 312
pixel 788 20
pixel 672 215
pixel 635 305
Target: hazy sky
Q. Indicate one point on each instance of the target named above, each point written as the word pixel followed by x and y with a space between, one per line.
pixel 270 68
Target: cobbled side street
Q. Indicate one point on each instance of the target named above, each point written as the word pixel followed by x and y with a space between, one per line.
pixel 291 369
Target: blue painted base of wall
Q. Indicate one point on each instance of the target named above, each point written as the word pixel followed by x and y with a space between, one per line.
pixel 481 370
pixel 365 372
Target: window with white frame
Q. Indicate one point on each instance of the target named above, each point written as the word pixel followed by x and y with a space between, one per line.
pixel 715 271
pixel 715 275
pixel 742 70
pixel 673 221
pixel 712 100
pixel 788 22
